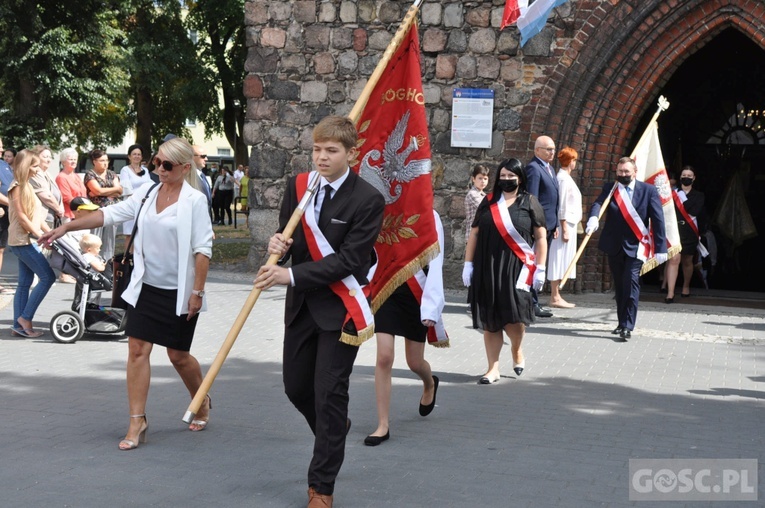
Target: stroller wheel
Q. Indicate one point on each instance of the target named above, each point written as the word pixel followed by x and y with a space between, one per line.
pixel 67 327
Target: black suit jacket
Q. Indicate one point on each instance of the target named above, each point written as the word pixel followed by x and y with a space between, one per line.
pixel 351 222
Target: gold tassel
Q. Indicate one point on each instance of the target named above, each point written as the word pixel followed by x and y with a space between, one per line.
pixel 357 340
pixel 414 266
pixel 440 343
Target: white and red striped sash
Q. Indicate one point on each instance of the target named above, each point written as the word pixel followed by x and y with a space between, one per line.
pixel 349 290
pixel 680 198
pixel 635 223
pixel 515 241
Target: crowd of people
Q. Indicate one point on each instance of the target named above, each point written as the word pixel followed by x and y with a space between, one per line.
pixel 520 235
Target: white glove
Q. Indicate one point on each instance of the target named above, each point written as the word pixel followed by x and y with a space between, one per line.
pixel 592 225
pixel 467 273
pixel 539 277
pixel 661 257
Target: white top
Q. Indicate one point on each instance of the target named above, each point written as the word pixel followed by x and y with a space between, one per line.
pixel 161 237
pixel 131 182
pixel 433 301
pixel 194 231
pixel 569 199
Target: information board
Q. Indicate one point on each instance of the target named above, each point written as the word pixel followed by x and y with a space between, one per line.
pixel 472 113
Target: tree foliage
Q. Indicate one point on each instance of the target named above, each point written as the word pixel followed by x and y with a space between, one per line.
pixel 85 72
pixel 63 77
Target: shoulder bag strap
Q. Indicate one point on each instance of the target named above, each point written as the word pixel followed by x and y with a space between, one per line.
pixel 129 247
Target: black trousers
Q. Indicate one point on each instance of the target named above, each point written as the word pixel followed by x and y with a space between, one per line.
pixel 625 271
pixel 317 368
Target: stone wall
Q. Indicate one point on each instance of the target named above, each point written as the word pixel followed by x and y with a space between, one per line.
pixel 586 80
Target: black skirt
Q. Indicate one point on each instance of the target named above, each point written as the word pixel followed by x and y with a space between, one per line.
pixel 153 320
pixel 400 315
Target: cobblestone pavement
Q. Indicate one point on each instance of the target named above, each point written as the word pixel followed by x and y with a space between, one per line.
pixel 690 384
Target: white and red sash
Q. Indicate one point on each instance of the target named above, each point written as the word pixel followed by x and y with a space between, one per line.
pixel 680 198
pixel 645 249
pixel 437 335
pixel 515 241
pixel 349 290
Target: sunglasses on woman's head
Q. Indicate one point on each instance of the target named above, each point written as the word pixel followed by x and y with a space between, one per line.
pixel 166 165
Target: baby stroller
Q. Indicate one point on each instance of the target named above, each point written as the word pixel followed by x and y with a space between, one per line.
pixel 86 315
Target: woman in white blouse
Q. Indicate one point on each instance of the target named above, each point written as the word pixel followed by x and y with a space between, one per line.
pixel 173 245
pixel 563 248
pixel 133 177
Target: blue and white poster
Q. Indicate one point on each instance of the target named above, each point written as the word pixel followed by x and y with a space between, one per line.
pixel 472 114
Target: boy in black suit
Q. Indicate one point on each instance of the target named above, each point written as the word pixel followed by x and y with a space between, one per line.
pixel 331 255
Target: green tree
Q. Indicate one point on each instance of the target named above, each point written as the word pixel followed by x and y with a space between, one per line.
pixel 169 84
pixel 63 78
pixel 220 24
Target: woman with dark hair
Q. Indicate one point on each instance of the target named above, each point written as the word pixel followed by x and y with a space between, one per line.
pixel 133 177
pixel 563 247
pixel 504 259
pixel 8 155
pixel 104 189
pixel 691 223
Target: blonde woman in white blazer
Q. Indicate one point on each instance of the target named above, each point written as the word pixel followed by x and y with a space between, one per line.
pixel 563 248
pixel 172 250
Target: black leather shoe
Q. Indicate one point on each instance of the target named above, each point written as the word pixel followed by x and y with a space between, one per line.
pixel 625 335
pixel 541 312
pixel 617 330
pixel 376 440
pixel 426 410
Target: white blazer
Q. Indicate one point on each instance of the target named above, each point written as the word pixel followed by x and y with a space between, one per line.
pixel 194 237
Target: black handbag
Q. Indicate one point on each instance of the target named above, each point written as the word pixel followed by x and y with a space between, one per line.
pixel 122 264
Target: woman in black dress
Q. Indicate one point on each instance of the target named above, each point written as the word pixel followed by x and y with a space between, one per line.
pixel 692 203
pixel 499 281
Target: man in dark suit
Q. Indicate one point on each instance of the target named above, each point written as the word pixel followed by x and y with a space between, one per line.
pixel 317 365
pixel 200 159
pixel 542 183
pixel 619 239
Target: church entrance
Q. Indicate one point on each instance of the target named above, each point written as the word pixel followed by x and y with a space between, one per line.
pixel 716 123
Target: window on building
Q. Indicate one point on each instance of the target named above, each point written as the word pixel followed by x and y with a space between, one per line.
pixel 190 122
pixel 193 36
pixel 224 151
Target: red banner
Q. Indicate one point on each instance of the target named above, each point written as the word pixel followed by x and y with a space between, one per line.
pixel 394 157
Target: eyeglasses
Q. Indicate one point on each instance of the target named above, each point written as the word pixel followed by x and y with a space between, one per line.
pixel 166 165
pixel 202 156
pixel 547 149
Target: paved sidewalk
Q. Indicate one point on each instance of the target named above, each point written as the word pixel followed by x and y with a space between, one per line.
pixel 690 384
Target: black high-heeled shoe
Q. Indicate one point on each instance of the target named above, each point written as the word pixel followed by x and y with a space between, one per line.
pixel 426 410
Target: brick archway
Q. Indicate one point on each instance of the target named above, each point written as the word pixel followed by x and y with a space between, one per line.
pixel 613 73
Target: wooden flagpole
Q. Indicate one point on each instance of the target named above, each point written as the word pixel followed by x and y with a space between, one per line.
pixel 662 105
pixel 297 215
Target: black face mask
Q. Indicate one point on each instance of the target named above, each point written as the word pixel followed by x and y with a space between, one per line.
pixel 623 179
pixel 686 181
pixel 508 185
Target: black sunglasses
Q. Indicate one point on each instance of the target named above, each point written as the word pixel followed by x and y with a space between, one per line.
pixel 166 165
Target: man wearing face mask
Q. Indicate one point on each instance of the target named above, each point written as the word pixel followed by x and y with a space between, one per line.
pixel 634 213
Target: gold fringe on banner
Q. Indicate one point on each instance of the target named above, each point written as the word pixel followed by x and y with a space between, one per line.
pixel 440 343
pixel 652 263
pixel 403 275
